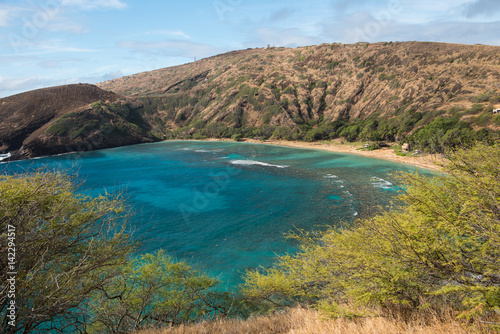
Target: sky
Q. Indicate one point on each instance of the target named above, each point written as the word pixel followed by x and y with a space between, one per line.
pixel 53 42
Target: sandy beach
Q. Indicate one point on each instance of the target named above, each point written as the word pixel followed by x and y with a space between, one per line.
pixel 386 153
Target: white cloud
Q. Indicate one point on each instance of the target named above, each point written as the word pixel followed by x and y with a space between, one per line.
pixel 485 8
pixel 7 13
pixel 364 27
pixel 99 77
pixel 342 6
pixel 95 4
pixel 39 49
pixel 9 86
pixel 4 17
pixel 171 48
pixel 282 37
pixel 281 14
pixel 67 26
pixel 170 33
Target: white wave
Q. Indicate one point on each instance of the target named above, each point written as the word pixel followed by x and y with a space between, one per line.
pixel 208 151
pixel 331 176
pixel 258 163
pixel 67 153
pixel 340 183
pixel 4 156
pixel 378 182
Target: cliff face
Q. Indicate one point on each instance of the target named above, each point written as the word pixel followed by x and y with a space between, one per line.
pixel 321 83
pixel 68 118
pixel 396 87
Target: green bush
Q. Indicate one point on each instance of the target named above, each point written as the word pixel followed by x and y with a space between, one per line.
pixel 76 272
pixel 59 127
pixel 441 247
pixel 69 246
pixel 237 137
pixel 481 98
pixel 332 65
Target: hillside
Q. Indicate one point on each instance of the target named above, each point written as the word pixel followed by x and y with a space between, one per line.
pixel 428 94
pixel 394 88
pixel 68 118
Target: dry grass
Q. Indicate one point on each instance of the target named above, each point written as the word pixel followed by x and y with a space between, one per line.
pixel 306 321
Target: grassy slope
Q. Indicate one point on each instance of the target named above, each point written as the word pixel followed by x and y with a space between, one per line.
pixel 306 321
pixel 68 118
pixel 281 86
pixel 394 87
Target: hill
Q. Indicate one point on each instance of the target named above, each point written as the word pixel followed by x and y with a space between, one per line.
pixel 360 91
pixel 428 94
pixel 68 118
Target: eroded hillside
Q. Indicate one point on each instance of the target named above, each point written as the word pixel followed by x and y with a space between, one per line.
pixel 320 84
pixel 69 118
pixel 430 94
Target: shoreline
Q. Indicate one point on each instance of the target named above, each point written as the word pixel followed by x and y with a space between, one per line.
pixel 427 161
pixel 384 153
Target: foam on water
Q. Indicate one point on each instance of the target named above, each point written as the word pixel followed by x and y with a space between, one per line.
pixel 4 156
pixel 208 151
pixel 381 183
pixel 257 163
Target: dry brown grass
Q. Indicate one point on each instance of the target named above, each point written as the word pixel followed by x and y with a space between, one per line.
pixel 306 321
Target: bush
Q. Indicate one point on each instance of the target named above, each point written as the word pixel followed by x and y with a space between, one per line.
pixel 153 291
pixel 237 137
pixel 75 270
pixel 441 247
pixel 67 247
pixel 481 98
pixel 59 127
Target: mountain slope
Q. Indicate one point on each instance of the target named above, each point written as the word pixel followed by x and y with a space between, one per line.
pixel 320 84
pixel 427 94
pixel 68 118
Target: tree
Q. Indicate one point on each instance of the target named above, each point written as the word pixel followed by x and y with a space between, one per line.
pixel 73 268
pixel 441 246
pixel 67 246
pixel 154 291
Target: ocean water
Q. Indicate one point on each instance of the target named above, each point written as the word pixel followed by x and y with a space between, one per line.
pixel 226 206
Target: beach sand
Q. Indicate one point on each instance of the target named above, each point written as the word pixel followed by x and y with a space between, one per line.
pixel 386 153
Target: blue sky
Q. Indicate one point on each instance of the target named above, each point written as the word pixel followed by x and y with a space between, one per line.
pixel 52 42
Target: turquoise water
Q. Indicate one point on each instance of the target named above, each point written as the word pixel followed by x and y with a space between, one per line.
pixel 225 206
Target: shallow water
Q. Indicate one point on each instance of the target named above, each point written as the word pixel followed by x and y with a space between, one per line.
pixel 225 205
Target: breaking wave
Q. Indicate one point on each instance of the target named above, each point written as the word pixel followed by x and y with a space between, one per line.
pixel 256 163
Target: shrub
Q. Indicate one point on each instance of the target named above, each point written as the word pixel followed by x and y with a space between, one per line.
pixel 332 65
pixel 481 98
pixel 441 246
pixel 237 137
pixel 68 247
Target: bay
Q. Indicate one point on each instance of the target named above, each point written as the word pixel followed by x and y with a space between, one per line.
pixel 225 206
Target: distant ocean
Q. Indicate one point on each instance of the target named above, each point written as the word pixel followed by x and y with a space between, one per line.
pixel 225 206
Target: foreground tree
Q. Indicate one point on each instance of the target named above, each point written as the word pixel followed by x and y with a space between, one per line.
pixel 69 267
pixel 154 290
pixel 441 246
pixel 63 247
